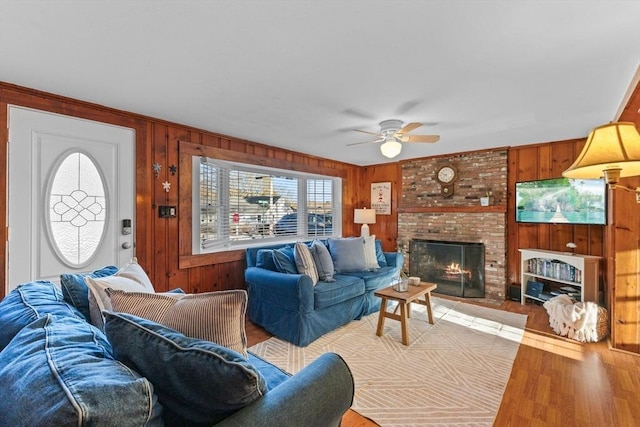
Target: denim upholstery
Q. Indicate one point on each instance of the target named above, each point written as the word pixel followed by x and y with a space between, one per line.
pixel 290 307
pixel 265 259
pixel 27 303
pixel 284 260
pixel 59 371
pixel 198 381
pixel 75 290
pixel 318 395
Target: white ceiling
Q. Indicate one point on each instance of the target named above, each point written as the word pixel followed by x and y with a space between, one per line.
pixel 302 74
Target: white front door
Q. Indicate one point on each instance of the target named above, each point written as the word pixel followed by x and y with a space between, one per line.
pixel 71 189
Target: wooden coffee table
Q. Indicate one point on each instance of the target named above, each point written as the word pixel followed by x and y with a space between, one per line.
pixel 404 300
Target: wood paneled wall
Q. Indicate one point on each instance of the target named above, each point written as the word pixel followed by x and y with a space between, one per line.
pixel 386 226
pixel 543 161
pixel 157 141
pixel 623 250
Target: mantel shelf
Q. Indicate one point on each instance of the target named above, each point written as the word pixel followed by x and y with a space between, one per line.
pixel 462 209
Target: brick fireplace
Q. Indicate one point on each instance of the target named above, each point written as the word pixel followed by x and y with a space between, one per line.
pixel 423 213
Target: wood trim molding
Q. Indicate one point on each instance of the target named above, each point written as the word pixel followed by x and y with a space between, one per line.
pixel 192 149
pixel 455 209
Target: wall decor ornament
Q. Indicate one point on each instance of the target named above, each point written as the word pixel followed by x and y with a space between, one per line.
pixel 166 185
pixel 381 197
pixel 173 169
pixel 156 169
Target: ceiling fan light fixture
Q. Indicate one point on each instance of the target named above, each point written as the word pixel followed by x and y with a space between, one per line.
pixel 390 148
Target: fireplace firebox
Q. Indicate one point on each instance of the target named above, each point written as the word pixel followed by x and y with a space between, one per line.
pixel 456 267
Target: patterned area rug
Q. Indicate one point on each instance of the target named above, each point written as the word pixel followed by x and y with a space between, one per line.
pixel 452 373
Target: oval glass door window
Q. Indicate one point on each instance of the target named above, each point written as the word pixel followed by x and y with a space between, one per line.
pixel 77 209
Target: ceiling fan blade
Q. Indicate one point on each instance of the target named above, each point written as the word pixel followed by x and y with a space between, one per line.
pixel 420 138
pixel 409 127
pixel 365 142
pixel 367 132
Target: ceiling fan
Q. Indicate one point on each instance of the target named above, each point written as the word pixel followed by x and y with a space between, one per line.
pixel 392 133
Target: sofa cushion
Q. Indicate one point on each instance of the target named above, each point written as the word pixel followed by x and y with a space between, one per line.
pixel 304 261
pixel 347 254
pixel 213 316
pixel 131 278
pixel 381 278
pixel 284 260
pixel 75 290
pixel 28 302
pixel 196 381
pixel 59 371
pixel 264 259
pixel 323 261
pixel 326 294
pixel 370 258
pixel 382 260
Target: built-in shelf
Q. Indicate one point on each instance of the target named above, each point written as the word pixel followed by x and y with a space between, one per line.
pixel 558 271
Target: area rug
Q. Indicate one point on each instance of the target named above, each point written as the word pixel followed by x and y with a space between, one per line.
pixel 452 373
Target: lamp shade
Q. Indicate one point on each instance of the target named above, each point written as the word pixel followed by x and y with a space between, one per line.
pixel 391 148
pixel 612 151
pixel 364 216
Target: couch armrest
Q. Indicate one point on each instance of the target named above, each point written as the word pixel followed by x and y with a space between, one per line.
pixel 319 394
pixel 292 292
pixel 394 259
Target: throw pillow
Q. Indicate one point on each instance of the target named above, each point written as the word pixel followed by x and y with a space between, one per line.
pixel 28 302
pixel 131 277
pixel 196 381
pixel 213 316
pixel 60 371
pixel 347 254
pixel 382 259
pixel 370 259
pixel 304 261
pixel 323 261
pixel 75 290
pixel 284 260
pixel 264 259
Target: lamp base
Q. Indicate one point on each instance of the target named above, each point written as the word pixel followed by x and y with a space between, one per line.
pixel 364 230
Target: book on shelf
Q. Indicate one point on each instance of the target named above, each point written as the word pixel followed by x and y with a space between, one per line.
pixel 534 288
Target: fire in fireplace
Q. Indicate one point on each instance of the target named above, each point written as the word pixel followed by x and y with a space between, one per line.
pixel 457 267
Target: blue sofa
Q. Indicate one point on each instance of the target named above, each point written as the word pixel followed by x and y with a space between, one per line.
pixel 290 307
pixel 58 369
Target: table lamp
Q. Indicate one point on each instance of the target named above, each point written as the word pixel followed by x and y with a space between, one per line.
pixel 365 217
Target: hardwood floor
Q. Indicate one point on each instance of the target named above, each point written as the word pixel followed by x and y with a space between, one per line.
pixel 554 381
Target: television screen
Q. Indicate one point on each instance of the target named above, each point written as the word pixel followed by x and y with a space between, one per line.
pixel 562 201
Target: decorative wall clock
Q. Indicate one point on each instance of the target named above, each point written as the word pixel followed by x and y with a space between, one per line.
pixel 446 176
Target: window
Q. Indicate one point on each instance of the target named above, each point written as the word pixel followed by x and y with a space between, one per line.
pixel 237 205
pixel 77 210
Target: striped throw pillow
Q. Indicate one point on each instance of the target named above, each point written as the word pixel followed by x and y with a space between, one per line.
pixel 304 261
pixel 213 316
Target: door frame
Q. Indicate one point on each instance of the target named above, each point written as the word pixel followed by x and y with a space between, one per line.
pixel 31 98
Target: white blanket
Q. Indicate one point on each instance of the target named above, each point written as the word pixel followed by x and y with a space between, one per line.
pixel 577 321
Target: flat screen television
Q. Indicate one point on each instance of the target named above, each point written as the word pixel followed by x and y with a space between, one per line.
pixel 562 201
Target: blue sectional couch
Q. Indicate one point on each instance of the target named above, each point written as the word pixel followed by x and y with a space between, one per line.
pixel 57 369
pixel 291 307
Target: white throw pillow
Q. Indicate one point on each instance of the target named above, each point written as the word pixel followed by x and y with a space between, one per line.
pixel 370 257
pixel 130 278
